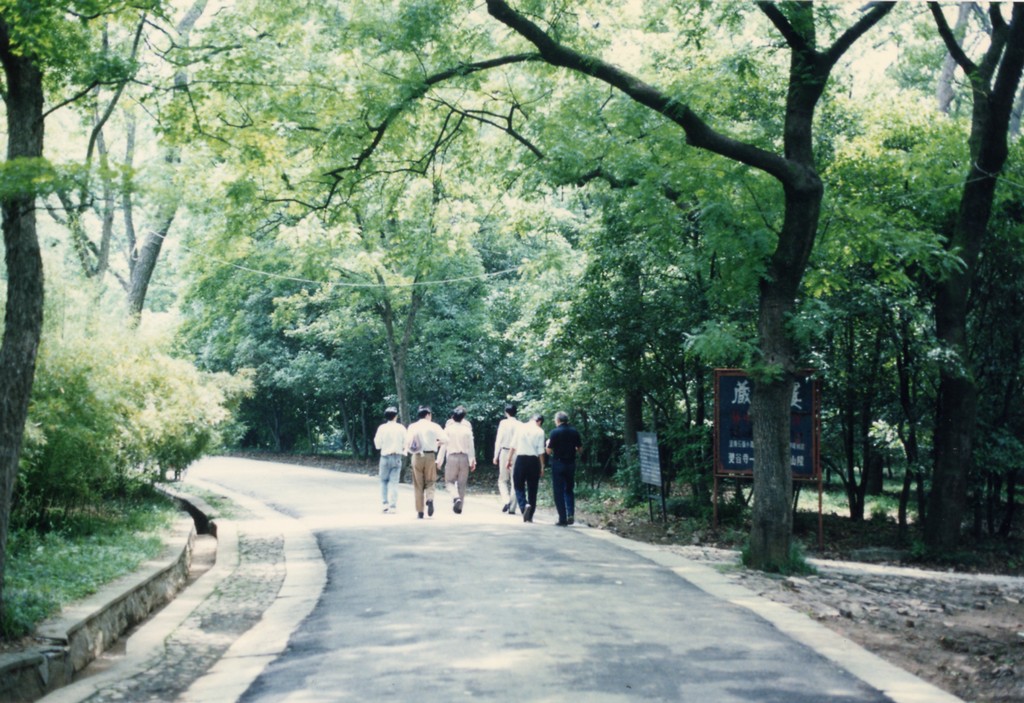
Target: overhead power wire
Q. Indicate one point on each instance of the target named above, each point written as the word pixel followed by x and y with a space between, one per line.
pixel 347 284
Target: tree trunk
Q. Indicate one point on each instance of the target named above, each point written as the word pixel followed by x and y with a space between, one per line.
pixel 398 349
pixel 142 258
pixel 23 317
pixel 908 425
pixel 1006 525
pixel 958 394
pixel 143 262
pixel 849 423
pixel 634 415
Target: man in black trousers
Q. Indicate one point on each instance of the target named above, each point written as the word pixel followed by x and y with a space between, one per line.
pixel 564 445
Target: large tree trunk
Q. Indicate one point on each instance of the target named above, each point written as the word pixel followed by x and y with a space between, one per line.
pixel 771 403
pixel 143 262
pixel 956 413
pixel 23 317
pixel 634 415
pixel 142 257
pixel 398 348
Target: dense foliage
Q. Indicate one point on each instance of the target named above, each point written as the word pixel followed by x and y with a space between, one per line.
pixel 354 205
pixel 110 414
pixel 510 234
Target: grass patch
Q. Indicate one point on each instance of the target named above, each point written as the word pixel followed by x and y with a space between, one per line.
pixel 796 565
pixel 45 572
pixel 221 506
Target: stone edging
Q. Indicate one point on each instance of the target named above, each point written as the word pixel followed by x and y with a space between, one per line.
pixel 83 630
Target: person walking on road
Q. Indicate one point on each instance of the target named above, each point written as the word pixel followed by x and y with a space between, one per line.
pixel 527 462
pixel 390 440
pixel 502 446
pixel 423 440
pixel 460 457
pixel 564 445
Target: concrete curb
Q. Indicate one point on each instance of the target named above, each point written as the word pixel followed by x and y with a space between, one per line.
pixel 148 641
pixel 83 630
pixel 305 579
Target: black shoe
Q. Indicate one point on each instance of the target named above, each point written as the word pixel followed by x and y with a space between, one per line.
pixel 430 508
pixel 570 520
pixel 458 506
pixel 528 513
pixel 504 508
pixel 419 515
pixel 561 523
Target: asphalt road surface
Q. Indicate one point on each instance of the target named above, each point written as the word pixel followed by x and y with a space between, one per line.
pixel 484 606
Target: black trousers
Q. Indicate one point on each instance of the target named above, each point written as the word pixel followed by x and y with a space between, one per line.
pixel 525 478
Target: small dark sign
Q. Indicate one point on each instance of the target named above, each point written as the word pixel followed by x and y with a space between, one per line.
pixel 650 464
pixel 734 430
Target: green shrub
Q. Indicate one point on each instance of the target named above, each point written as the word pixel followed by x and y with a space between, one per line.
pixel 629 477
pixel 797 564
pixel 71 455
pixel 111 412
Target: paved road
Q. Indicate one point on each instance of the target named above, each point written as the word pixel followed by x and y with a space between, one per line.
pixel 317 596
pixel 482 605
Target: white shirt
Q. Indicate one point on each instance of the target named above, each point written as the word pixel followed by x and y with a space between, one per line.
pixel 390 438
pixel 460 441
pixel 431 435
pixel 506 435
pixel 529 440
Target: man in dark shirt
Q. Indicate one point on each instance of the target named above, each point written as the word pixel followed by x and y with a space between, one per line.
pixel 564 445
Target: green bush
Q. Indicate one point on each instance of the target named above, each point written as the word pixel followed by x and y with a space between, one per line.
pixel 71 454
pixel 797 565
pixel 629 477
pixel 111 412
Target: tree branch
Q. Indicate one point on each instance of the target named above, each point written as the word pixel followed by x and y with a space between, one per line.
pixel 1008 78
pixel 793 38
pixel 504 123
pixel 995 15
pixel 74 98
pixel 698 133
pixel 859 28
pixel 378 131
pixel 952 45
pixel 101 120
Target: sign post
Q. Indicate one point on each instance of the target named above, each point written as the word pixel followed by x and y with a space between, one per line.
pixel 734 432
pixel 650 468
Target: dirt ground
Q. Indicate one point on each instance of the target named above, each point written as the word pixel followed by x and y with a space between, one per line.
pixel 962 632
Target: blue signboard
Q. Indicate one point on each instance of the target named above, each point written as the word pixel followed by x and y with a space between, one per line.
pixel 734 429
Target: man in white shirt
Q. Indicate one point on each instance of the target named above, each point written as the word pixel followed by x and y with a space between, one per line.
pixel 502 446
pixel 460 458
pixel 390 440
pixel 527 462
pixel 423 440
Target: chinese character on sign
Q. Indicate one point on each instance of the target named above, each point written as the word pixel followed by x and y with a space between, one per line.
pixel 741 393
pixel 797 403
